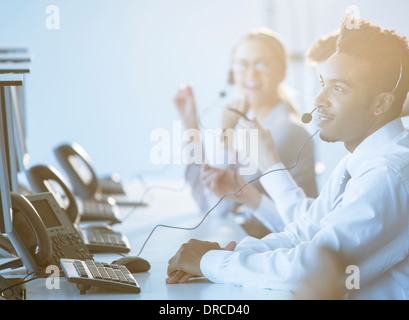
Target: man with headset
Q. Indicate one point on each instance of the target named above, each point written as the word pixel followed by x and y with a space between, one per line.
pixel 362 212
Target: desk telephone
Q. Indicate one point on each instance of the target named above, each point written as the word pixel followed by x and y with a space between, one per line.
pixel 42 178
pixel 43 232
pixel 77 164
pixel 44 235
pixel 96 238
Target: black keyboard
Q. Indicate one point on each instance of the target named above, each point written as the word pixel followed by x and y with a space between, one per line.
pixel 88 273
pixel 99 240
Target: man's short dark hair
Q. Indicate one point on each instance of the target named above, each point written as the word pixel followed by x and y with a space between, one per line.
pixel 322 49
pixel 385 51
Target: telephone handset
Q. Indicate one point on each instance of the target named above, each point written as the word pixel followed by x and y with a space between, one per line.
pixel 30 230
pixel 42 232
pixel 97 239
pixel 43 179
pixel 77 163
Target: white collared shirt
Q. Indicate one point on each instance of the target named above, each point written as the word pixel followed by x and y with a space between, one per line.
pixel 370 227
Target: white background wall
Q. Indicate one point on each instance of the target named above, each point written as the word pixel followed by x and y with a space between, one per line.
pixel 107 77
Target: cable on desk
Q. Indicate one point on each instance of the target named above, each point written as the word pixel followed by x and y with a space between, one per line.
pixel 25 280
pixel 228 194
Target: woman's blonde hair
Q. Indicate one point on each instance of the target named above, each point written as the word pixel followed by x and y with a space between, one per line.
pixel 272 39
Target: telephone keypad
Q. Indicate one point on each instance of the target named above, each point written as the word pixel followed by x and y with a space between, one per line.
pixel 68 246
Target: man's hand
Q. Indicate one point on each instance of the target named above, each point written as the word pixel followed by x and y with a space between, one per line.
pixel 185 264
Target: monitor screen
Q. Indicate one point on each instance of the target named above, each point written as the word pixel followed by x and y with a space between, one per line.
pixel 12 150
pixel 5 203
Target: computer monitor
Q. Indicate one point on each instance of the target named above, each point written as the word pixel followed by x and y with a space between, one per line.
pixel 9 139
pixel 5 203
pixel 18 115
pixel 13 149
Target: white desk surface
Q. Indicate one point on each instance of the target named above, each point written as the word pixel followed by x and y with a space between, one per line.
pixel 165 207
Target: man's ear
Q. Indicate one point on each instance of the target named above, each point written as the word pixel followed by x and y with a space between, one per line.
pixel 383 102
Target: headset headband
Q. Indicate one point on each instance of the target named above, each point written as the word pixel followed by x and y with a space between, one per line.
pixel 400 76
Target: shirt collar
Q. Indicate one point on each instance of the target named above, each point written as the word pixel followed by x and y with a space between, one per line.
pixel 372 145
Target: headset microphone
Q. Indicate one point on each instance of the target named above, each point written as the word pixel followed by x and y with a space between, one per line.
pixel 307 117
